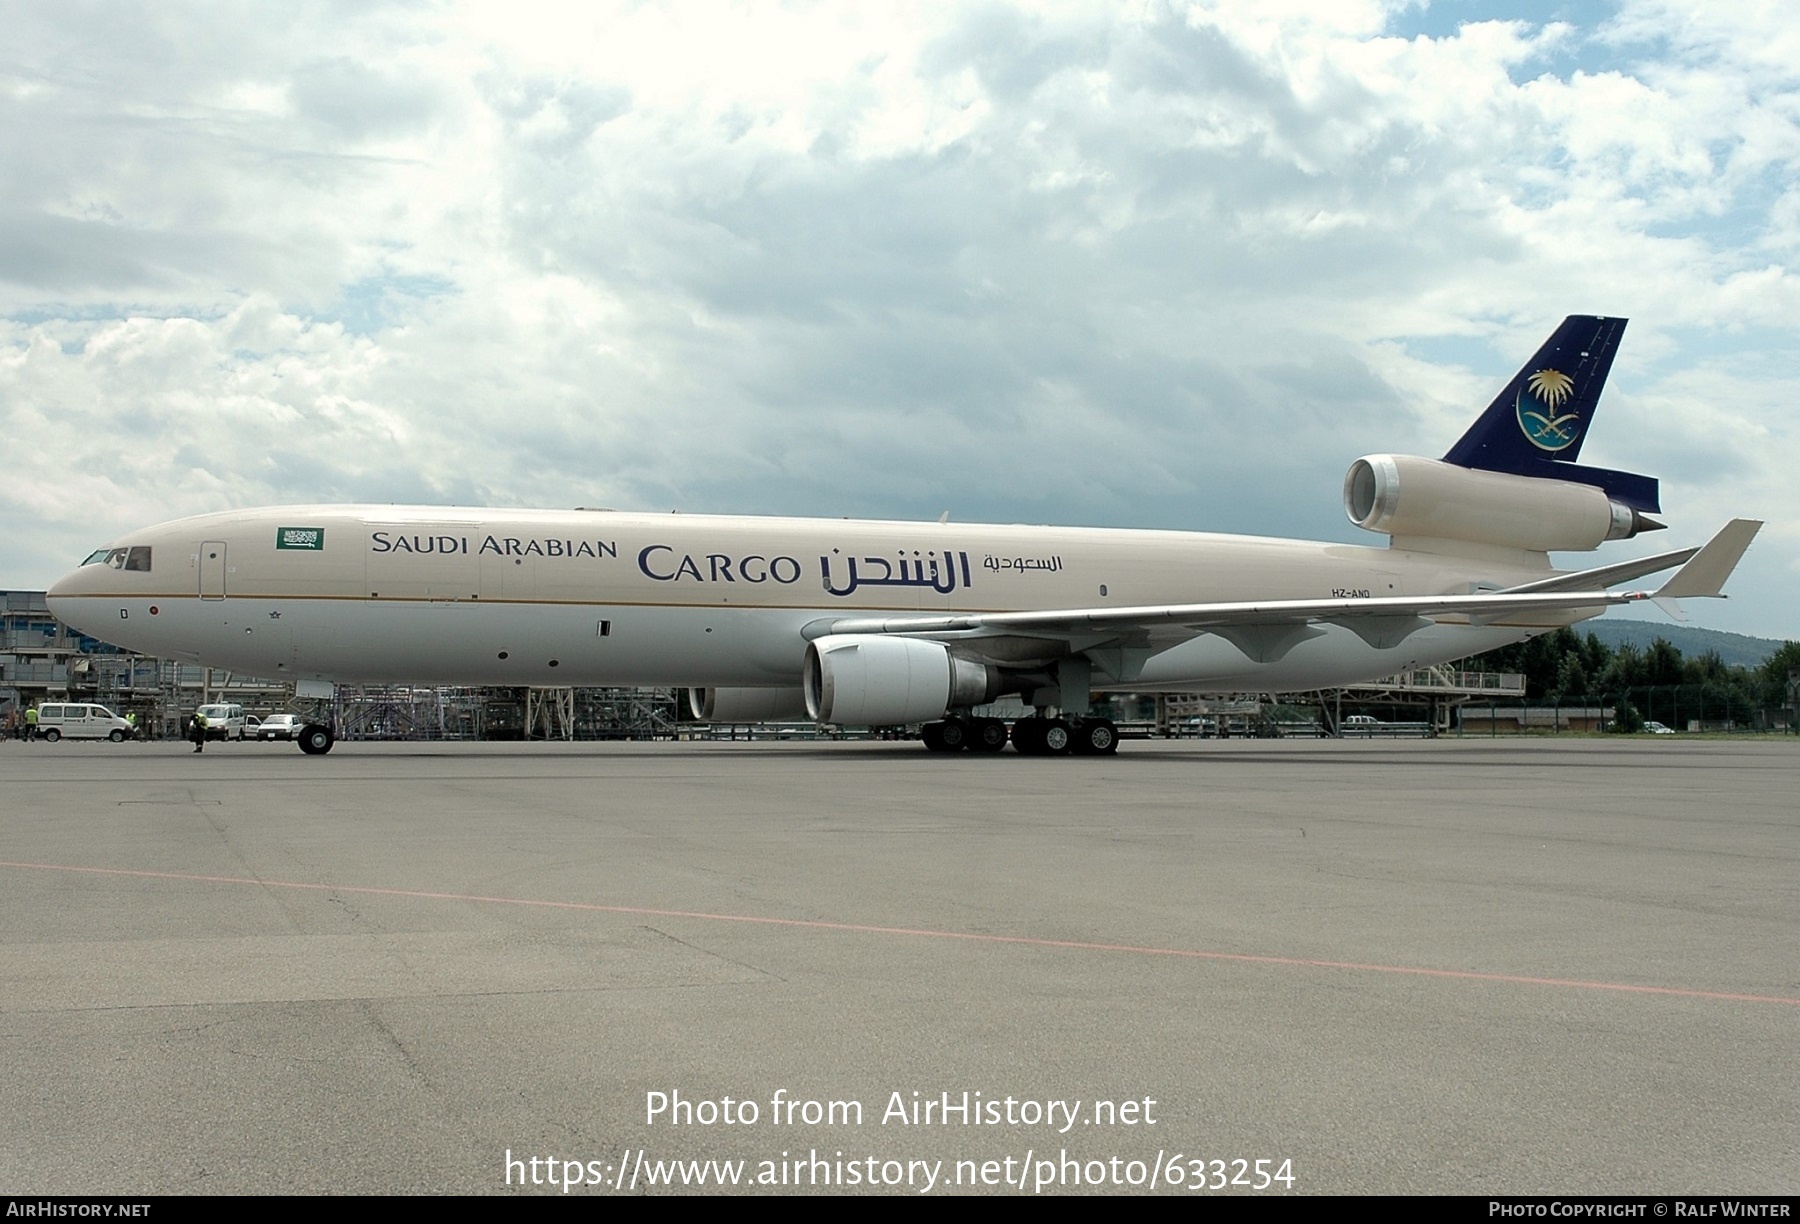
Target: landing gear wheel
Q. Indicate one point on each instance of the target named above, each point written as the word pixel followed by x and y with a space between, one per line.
pixel 988 735
pixel 1095 737
pixel 1028 736
pixel 316 739
pixel 1057 737
pixel 955 734
pixel 951 735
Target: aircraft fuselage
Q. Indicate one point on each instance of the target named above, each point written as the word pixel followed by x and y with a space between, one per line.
pixel 501 597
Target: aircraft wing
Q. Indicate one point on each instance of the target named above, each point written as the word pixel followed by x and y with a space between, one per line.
pixel 1264 631
pixel 1267 630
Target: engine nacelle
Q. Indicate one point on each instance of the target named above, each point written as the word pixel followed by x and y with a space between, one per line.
pixel 746 705
pixel 872 680
pixel 1407 495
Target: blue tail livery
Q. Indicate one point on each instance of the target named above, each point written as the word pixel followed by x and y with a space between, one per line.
pixel 1535 426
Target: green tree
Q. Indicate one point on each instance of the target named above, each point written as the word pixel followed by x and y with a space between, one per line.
pixel 1662 663
pixel 1626 669
pixel 1708 668
pixel 1568 666
pixel 1773 675
pixel 1595 654
pixel 1571 676
pixel 1626 719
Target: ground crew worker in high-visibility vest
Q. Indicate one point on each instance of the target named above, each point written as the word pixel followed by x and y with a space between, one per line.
pixel 31 722
pixel 199 731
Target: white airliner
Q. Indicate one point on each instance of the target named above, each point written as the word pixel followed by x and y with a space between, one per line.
pixel 889 623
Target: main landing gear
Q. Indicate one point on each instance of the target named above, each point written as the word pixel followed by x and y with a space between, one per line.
pixel 1033 735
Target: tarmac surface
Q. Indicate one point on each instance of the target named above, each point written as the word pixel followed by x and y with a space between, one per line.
pixel 1481 966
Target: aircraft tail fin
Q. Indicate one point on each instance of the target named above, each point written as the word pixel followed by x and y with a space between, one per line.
pixel 1536 425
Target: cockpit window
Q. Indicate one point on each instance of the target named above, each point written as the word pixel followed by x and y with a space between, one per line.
pixel 122 558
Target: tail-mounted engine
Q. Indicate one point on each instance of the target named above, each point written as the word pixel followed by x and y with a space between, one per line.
pixel 1413 497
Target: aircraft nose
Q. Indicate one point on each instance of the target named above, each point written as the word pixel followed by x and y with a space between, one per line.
pixel 63 599
pixel 59 590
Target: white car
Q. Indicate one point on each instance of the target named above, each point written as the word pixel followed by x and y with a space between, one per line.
pixel 1656 728
pixel 280 727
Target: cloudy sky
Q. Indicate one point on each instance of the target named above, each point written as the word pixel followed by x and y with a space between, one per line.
pixel 1160 264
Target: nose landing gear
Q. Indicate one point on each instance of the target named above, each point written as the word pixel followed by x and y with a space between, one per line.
pixel 316 739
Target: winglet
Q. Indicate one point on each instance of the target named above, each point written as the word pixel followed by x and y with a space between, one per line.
pixel 1705 575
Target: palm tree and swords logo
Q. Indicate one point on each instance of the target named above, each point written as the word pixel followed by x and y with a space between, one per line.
pixel 1539 398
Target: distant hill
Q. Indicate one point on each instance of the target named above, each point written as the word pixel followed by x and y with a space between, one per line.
pixel 1736 649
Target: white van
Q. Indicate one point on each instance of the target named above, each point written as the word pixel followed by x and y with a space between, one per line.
pixel 225 720
pixel 78 720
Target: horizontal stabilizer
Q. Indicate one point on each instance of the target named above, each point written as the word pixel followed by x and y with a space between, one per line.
pixel 1642 493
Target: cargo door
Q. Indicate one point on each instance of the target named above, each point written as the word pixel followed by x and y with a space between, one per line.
pixel 422 560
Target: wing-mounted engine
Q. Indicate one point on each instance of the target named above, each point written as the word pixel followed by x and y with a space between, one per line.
pixel 746 705
pixel 1411 497
pixel 871 680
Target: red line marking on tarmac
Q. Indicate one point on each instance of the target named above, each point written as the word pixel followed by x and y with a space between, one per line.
pixel 1030 941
